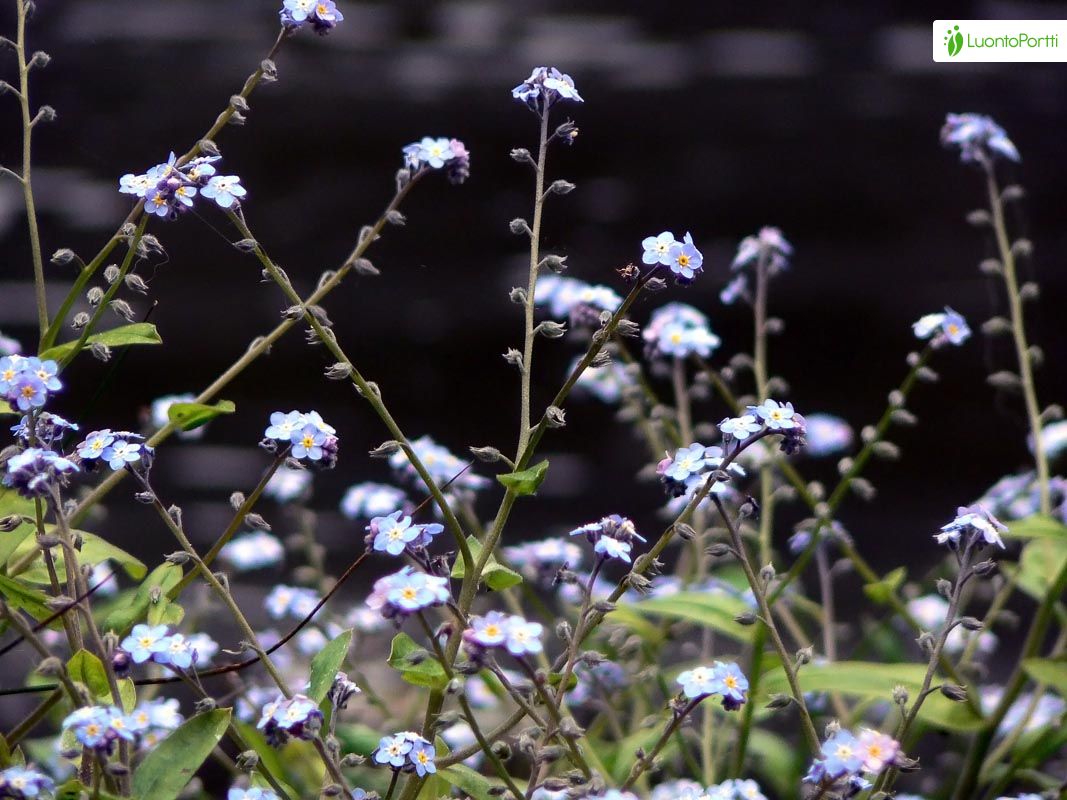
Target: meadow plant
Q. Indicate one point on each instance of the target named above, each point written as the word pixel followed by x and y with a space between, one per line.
pixel 706 659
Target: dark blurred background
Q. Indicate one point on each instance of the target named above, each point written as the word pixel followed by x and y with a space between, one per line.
pixel 717 118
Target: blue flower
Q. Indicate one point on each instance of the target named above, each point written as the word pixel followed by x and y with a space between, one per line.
pixel 974 520
pixel 949 327
pixel 254 550
pixel 393 750
pixel 685 260
pixel 283 426
pixel 522 637
pixel 145 641
pixel 421 757
pixel 679 330
pixel 225 190
pixel 740 428
pixel 393 533
pixel 978 137
pixel 658 248
pixel 697 682
pixel 174 651
pixel 34 471
pixel 296 717
pixel 322 14
pixel 841 755
pixel 94 445
pixel 254 793
pixel 99 727
pixel 11 367
pixel 731 683
pixel 544 87
pixel 308 442
pixel 487 631
pixel 613 548
pixel 46 372
pixel 24 782
pixel 407 591
pixel 769 245
pixel 28 391
pixel 775 415
pixel 434 152
pixel 290 600
pixel 369 500
pixel 687 461
pixel 827 434
pixel 121 452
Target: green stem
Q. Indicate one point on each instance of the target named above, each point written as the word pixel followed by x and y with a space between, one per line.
pixel 1018 334
pixel 535 260
pixel 23 10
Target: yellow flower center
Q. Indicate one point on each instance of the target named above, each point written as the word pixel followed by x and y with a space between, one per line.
pixel 27 391
pixel 683 260
pixel 730 681
pixel 308 441
pixel 492 630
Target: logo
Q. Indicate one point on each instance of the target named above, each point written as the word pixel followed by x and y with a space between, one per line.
pixel 954 41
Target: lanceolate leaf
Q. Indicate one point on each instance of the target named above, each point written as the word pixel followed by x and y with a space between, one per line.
pixel 173 762
pixel 188 416
pixel 135 333
pixel 326 663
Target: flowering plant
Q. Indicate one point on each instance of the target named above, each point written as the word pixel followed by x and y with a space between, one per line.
pixel 707 659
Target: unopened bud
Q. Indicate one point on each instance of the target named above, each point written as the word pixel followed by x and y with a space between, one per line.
pixel 561 187
pixel 553 262
pixel 519 225
pixel 555 417
pixel 955 693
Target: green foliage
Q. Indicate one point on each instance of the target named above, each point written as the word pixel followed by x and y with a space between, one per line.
pixel 150 600
pixel 524 482
pixel 137 333
pixel 326 663
pixel 188 416
pixel 167 769
pixel 495 575
pixel 714 611
pixel 880 591
pixel 427 672
pixel 1048 671
pixel 94 550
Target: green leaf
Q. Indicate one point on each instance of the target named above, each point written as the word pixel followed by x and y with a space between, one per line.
pixel 326 663
pixel 776 760
pixel 164 578
pixel 128 694
pixel 875 681
pixel 188 416
pixel 88 670
pixel 1037 526
pixel 715 611
pixel 555 677
pixel 427 673
pixel 495 575
pixel 94 550
pixel 468 781
pixel 1039 563
pixel 135 333
pixel 1050 671
pixel 526 481
pixel 25 597
pixel 6 410
pixel 169 767
pixel 881 591
pixel 12 504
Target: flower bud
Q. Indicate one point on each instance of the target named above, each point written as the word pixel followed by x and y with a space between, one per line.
pixel 957 694
pixel 979 218
pixel 561 187
pixel 522 155
pixel 514 357
pixel 488 455
pixel 550 329
pixel 555 417
pixel 519 225
pixel 385 449
pixel 553 262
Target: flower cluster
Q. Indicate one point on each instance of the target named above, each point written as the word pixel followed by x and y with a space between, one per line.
pixel 440 153
pixel 768 250
pixel 154 720
pixel 45 429
pixel 394 533
pixel 540 561
pixel 153 643
pixel 846 758
pixel 406 752
pixel 24 782
pixel 770 415
pixel 683 258
pixel 725 680
pixel 611 537
pixel 296 717
pixel 973 524
pixel 442 465
pixel 34 471
pixel 406 592
pixel 685 472
pixel 117 449
pixel 942 328
pixel 678 330
pixel 509 631
pixel 168 189
pixel 99 727
pixel 254 793
pixel 308 435
pixel 26 382
pixel 544 87
pixel 321 15
pixel 254 550
pixel 606 383
pixel 292 601
pixel 578 301
pixel 369 500
pixel 731 789
pixel 978 137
